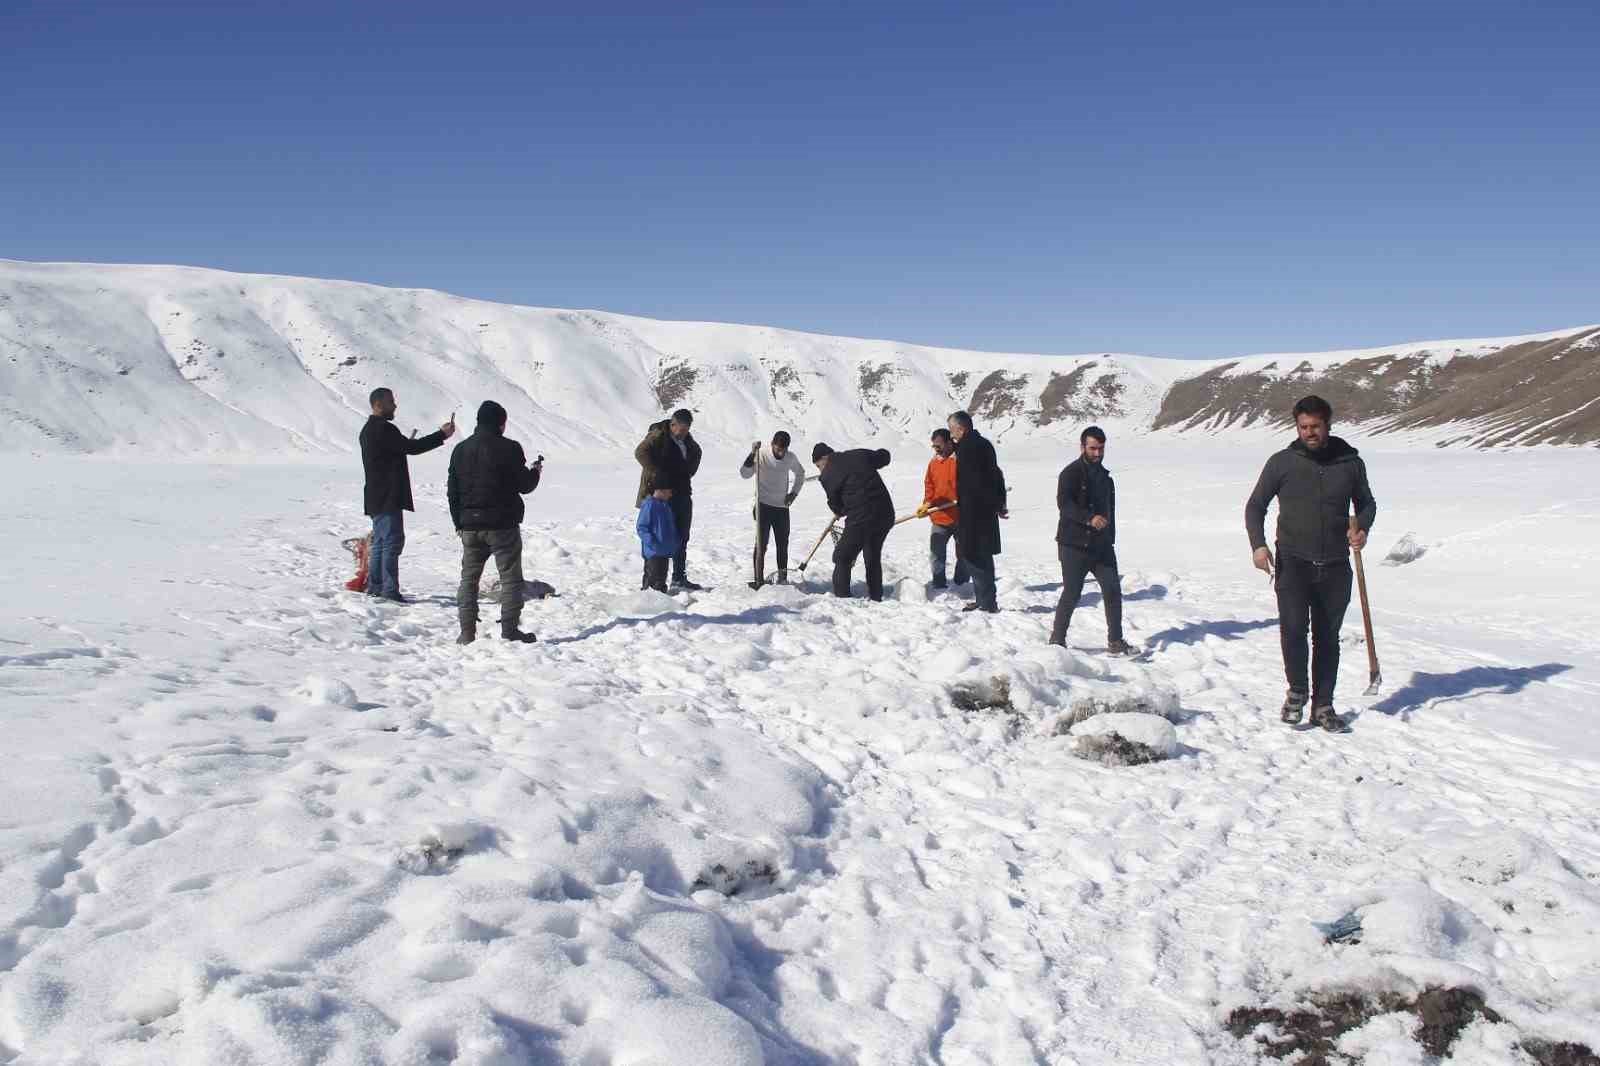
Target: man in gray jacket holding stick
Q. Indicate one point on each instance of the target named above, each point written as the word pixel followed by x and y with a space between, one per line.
pixel 1316 480
pixel 773 467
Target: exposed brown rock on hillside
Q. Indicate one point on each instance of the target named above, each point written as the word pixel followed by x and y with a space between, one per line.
pixel 1538 392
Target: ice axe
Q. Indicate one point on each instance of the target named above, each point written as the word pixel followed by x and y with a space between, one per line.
pixel 1375 675
pixel 818 544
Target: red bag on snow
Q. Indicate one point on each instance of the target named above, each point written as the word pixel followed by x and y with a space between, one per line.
pixel 359 547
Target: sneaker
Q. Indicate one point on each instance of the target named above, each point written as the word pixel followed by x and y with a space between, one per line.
pixel 469 633
pixel 686 585
pixel 1327 718
pixel 512 633
pixel 970 607
pixel 1120 647
pixel 1294 707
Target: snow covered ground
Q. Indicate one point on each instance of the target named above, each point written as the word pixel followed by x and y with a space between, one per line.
pixel 247 817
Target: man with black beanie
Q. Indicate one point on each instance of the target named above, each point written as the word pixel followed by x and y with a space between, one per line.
pixel 489 476
pixel 856 492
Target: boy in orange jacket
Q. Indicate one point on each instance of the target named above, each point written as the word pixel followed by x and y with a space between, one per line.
pixel 938 489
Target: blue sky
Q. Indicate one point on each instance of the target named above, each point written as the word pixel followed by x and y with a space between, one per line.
pixel 1178 178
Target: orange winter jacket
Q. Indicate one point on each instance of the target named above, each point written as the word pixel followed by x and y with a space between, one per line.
pixel 939 486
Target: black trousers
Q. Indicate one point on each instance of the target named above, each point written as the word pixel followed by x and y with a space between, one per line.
pixel 1312 596
pixel 655 573
pixel 1076 565
pixel 864 539
pixel 682 505
pixel 773 521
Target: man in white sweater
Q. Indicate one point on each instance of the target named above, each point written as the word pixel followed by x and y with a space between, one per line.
pixel 772 467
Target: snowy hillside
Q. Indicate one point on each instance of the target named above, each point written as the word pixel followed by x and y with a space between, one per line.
pixel 181 360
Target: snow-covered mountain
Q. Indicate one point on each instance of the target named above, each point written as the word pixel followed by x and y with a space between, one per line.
pixel 142 359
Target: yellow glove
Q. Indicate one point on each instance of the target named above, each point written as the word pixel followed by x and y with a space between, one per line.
pixel 922 512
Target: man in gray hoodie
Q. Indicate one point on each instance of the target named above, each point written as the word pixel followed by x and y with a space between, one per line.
pixel 1316 480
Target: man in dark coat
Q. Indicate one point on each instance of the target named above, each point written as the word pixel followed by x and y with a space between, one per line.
pixel 386 495
pixel 489 476
pixel 669 457
pixel 1086 538
pixel 1316 480
pixel 856 493
pixel 981 494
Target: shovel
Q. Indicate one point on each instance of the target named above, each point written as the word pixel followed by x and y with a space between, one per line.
pixel 1375 675
pixel 818 544
pixel 913 514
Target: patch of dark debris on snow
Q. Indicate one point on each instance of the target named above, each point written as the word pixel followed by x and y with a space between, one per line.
pixel 748 876
pixel 1113 749
pixel 1309 1034
pixel 991 695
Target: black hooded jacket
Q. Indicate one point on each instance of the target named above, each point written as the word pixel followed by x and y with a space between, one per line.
pixel 855 491
pixel 488 477
pixel 1315 491
pixel 383 458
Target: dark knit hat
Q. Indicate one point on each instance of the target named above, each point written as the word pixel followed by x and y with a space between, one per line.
pixel 819 451
pixel 491 414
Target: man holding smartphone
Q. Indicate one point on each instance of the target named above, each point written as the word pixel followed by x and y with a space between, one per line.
pixel 488 478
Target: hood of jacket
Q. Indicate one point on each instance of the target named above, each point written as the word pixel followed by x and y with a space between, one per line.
pixel 1335 451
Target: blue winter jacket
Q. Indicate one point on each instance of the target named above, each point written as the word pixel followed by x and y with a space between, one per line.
pixel 658 530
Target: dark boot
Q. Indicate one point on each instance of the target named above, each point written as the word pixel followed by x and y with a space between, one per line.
pixel 512 633
pixel 1294 707
pixel 469 631
pixel 783 577
pixel 1327 718
pixel 1120 647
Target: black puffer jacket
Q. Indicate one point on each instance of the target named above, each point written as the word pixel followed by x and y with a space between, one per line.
pixel 383 458
pixel 855 491
pixel 1315 490
pixel 981 492
pixel 1082 491
pixel 488 478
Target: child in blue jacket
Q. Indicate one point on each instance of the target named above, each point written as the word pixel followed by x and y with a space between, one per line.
pixel 658 537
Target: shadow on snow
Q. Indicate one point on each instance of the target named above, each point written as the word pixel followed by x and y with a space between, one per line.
pixel 1426 688
pixel 1190 633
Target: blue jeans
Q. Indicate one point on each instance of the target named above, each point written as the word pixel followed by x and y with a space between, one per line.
pixel 938 546
pixel 983 582
pixel 383 556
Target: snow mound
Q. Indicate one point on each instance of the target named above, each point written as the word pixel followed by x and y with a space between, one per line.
pixel 647 603
pixel 1124 739
pixel 326 691
pixel 1138 698
pixel 1408 549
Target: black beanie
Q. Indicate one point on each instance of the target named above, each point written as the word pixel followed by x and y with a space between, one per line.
pixel 491 414
pixel 819 451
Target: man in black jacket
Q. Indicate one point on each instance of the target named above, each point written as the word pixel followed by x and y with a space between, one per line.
pixel 856 492
pixel 489 476
pixel 1316 479
pixel 669 457
pixel 1086 538
pixel 981 496
pixel 386 495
